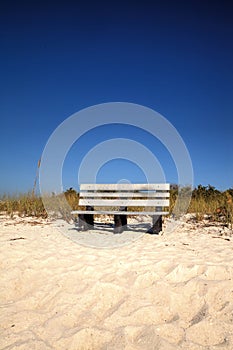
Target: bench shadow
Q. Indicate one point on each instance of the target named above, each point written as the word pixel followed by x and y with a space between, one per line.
pixel 108 227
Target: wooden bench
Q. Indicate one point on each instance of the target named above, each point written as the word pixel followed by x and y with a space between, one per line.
pixel 116 199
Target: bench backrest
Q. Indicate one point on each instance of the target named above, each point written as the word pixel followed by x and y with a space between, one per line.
pixel 124 195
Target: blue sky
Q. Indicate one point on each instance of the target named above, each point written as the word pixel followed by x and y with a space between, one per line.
pixel 172 56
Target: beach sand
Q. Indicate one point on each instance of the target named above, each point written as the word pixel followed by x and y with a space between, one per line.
pixel 169 291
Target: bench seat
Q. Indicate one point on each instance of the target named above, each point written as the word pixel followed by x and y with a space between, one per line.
pixel 116 212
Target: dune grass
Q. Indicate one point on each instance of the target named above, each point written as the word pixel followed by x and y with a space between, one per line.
pixel 204 201
pixel 208 201
pixel 23 205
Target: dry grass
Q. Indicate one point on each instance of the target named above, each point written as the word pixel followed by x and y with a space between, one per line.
pixel 205 201
pixel 24 205
pixel 209 201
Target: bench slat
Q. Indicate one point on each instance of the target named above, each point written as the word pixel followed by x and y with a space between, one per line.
pixel 124 202
pixel 125 194
pixel 125 187
pixel 112 212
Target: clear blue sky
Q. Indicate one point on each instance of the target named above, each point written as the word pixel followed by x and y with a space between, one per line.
pixel 57 58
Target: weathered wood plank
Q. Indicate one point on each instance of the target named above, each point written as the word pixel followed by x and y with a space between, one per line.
pixel 125 187
pixel 116 212
pixel 148 194
pixel 124 202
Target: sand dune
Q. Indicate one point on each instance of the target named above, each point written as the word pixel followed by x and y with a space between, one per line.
pixel 173 291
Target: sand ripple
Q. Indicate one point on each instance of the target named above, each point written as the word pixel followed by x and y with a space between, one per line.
pixel 159 292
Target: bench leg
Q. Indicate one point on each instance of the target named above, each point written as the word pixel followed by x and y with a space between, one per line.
pixel 81 223
pixel 90 217
pixel 157 225
pixel 120 221
pixel 86 221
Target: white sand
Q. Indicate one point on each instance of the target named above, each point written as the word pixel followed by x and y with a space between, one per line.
pixel 173 291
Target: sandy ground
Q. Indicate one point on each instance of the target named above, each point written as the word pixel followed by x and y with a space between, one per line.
pixel 172 291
